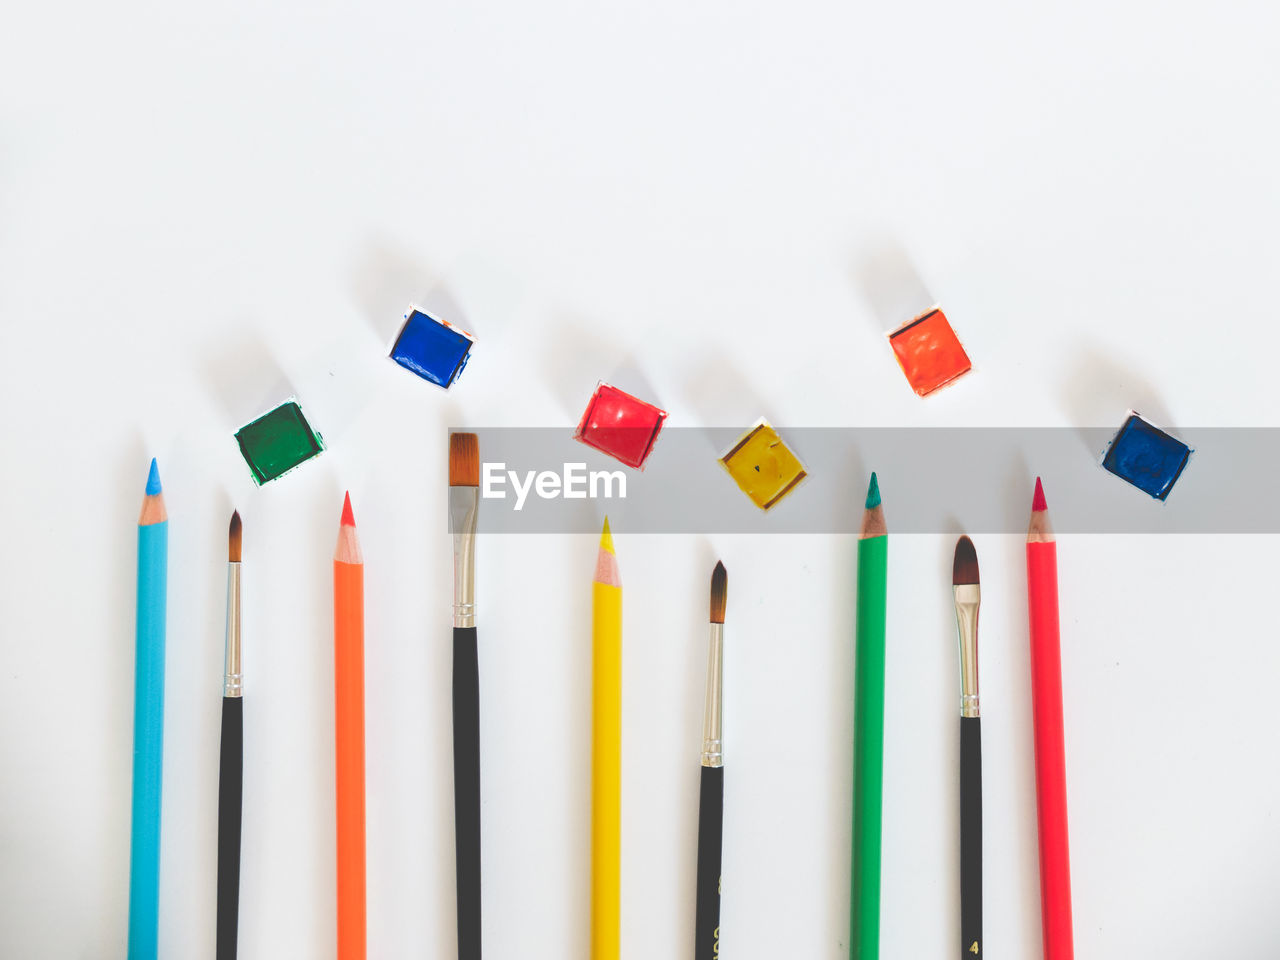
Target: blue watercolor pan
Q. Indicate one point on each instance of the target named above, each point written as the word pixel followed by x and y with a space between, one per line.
pixel 1147 457
pixel 434 349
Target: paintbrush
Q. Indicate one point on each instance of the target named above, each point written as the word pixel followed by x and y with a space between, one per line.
pixel 231 761
pixel 964 580
pixel 711 795
pixel 464 502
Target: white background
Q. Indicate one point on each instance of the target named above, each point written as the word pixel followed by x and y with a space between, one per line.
pixel 720 205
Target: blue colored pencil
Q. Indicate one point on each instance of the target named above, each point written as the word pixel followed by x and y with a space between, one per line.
pixel 148 723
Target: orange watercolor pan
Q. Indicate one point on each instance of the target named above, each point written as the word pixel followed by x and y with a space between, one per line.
pixel 929 352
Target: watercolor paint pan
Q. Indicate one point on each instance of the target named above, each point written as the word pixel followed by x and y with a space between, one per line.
pixel 432 349
pixel 929 352
pixel 620 425
pixel 1145 456
pixel 278 441
pixel 763 466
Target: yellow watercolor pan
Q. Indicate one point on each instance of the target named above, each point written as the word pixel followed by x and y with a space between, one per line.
pixel 763 467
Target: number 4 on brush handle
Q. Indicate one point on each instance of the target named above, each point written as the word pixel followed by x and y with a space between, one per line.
pixel 971 837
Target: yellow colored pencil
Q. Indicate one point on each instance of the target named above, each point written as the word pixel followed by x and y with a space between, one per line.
pixel 606 752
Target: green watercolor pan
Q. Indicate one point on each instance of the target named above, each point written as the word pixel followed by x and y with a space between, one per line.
pixel 278 441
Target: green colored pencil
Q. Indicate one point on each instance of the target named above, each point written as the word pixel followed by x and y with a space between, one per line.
pixel 868 730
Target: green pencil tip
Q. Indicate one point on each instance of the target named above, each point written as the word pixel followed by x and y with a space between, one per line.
pixel 873 492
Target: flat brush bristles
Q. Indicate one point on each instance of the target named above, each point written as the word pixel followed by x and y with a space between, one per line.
pixel 464 460
pixel 965 567
pixel 233 539
pixel 719 592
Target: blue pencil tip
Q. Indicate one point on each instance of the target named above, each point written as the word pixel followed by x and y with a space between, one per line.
pixel 873 492
pixel 153 479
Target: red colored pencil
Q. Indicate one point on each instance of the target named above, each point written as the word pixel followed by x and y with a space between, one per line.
pixel 1046 705
pixel 348 711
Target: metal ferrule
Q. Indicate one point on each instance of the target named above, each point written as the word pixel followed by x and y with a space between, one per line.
pixel 232 681
pixel 967 596
pixel 464 503
pixel 712 755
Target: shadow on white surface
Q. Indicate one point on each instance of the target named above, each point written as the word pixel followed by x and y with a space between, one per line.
pixel 719 394
pixel 386 280
pixel 242 376
pixel 1097 391
pixel 115 732
pixel 576 358
pixel 1016 862
pixel 886 276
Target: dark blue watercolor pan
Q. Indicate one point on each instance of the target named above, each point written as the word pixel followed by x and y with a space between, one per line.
pixel 1146 457
pixel 434 349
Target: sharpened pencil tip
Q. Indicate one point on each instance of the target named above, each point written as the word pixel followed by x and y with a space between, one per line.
pixel 719 592
pixel 607 560
pixel 873 492
pixel 348 518
pixel 1038 501
pixel 153 479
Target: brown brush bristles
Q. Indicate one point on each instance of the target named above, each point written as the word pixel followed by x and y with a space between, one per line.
pixel 719 592
pixel 233 539
pixel 965 567
pixel 464 460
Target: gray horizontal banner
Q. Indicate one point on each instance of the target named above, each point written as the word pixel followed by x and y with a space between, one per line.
pixel 541 480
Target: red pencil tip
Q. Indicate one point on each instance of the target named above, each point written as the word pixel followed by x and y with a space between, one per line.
pixel 348 518
pixel 1037 501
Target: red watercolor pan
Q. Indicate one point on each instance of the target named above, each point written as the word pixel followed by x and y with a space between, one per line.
pixel 623 426
pixel 929 352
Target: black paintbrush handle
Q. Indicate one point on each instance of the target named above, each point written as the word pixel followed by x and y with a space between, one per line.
pixel 710 839
pixel 466 788
pixel 230 780
pixel 971 837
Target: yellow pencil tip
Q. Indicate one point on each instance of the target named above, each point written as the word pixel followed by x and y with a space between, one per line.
pixel 606 538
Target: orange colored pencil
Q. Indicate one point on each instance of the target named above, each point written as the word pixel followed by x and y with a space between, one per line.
pixel 348 711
